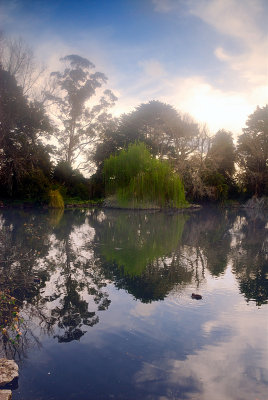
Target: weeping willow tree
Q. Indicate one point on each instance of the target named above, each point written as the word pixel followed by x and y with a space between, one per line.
pixel 138 179
pixel 55 199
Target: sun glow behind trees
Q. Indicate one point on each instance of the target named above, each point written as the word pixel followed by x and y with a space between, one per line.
pixel 86 132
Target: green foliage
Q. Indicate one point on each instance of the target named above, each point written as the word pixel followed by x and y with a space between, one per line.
pixel 252 153
pixel 75 184
pixel 35 186
pixel 134 241
pixel 55 216
pixel 206 164
pixel 81 190
pixel 217 183
pixel 138 178
pixel 63 173
pixel 21 125
pixel 55 199
pixel 97 186
pixel 221 155
pixel 10 319
pixel 166 132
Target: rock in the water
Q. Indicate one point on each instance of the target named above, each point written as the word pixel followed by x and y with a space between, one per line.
pixel 5 394
pixel 9 370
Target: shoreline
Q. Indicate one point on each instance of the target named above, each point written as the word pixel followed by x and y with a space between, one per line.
pixel 101 204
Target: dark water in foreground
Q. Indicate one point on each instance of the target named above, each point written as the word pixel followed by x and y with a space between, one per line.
pixel 112 316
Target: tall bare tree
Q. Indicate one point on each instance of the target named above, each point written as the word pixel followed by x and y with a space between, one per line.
pixel 17 58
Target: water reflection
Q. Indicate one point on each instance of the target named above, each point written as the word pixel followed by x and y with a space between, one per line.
pixel 47 263
pixel 133 241
pixel 66 269
pixel 232 367
pixel 140 252
pixel 250 255
pixel 75 278
pixel 74 254
pixel 148 254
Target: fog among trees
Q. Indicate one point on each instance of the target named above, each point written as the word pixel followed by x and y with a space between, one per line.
pixel 56 135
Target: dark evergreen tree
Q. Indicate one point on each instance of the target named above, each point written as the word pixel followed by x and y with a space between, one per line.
pixel 22 124
pixel 221 155
pixel 75 184
pixel 252 153
pixel 167 133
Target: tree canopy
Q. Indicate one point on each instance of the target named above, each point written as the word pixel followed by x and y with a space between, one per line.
pixel 221 154
pixel 22 125
pixel 81 115
pixel 252 152
pixel 147 147
pixel 167 133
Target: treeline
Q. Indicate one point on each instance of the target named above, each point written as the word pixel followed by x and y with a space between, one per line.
pixel 54 135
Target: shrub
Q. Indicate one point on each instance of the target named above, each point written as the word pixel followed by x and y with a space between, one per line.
pixel 218 185
pixel 55 199
pixel 75 183
pixel 135 176
pixel 34 186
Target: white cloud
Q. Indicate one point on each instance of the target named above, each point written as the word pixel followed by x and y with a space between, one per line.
pixel 220 108
pixel 230 17
pixel 221 54
pixel 224 106
pixel 233 367
pixel 240 21
pixel 243 22
pixel 143 79
pixel 144 310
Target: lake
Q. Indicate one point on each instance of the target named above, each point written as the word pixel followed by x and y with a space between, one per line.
pixel 105 297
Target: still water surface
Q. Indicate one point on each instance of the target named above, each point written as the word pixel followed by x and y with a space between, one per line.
pixel 112 316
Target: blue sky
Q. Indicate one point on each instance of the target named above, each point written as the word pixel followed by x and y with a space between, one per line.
pixel 205 57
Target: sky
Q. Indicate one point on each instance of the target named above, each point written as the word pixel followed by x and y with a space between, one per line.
pixel 208 58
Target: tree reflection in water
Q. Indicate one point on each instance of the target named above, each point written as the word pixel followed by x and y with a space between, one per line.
pixel 47 263
pixel 250 255
pixel 78 278
pixel 151 254
pixel 140 252
pixel 58 264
